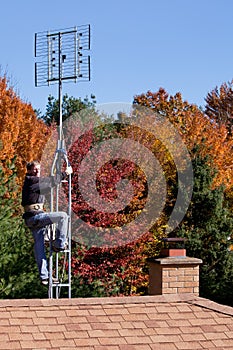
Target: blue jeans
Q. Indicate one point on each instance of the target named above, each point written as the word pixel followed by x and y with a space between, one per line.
pixel 37 225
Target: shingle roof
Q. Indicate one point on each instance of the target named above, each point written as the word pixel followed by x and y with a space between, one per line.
pixel 167 322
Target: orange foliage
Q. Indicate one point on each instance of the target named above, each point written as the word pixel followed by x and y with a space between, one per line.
pixel 195 128
pixel 21 133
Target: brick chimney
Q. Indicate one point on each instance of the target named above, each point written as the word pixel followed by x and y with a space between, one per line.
pixel 174 272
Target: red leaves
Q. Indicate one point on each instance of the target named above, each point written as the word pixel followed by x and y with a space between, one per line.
pixel 106 188
pixel 119 270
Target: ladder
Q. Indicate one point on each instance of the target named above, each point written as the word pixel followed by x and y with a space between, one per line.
pixel 57 266
pixel 59 261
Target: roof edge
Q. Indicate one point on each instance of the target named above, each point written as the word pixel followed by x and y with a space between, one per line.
pixel 146 299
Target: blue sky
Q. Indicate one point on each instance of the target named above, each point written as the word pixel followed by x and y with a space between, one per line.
pixel 181 45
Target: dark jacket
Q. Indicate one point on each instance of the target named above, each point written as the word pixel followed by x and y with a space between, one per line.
pixel 35 188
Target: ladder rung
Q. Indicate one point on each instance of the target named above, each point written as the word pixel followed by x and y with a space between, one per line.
pixel 63 251
pixel 60 285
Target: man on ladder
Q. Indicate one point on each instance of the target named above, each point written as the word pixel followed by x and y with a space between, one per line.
pixel 37 219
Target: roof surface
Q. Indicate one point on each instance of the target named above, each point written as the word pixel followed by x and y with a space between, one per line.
pixel 167 322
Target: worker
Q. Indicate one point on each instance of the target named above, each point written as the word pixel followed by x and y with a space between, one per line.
pixel 36 218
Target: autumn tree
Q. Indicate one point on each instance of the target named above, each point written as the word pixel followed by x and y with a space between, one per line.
pixel 100 271
pixel 219 106
pixel 195 128
pixel 22 138
pixel 208 221
pixel 207 227
pixel 21 133
pixel 105 264
pixel 117 268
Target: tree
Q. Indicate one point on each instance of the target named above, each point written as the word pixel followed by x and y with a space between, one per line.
pixel 70 106
pixel 109 271
pixel 98 269
pixel 21 133
pixel 208 222
pixel 195 127
pixel 219 106
pixel 105 270
pixel 207 228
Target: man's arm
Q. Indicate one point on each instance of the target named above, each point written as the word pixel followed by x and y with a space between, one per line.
pixel 44 184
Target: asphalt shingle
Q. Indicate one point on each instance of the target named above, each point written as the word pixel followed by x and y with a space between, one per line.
pixel 167 322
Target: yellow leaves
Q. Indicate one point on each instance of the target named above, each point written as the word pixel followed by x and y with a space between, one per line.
pixel 197 128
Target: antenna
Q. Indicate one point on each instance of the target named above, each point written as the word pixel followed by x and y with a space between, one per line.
pixel 60 57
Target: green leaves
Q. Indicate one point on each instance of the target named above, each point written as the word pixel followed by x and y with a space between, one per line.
pixel 207 226
pixel 70 106
pixel 18 274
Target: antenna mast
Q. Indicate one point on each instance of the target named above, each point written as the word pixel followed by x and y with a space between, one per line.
pixel 60 58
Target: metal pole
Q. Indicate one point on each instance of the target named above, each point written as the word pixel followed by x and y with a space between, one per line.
pixel 60 86
pixel 69 239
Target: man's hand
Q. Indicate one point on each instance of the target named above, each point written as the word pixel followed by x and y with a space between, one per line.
pixel 69 170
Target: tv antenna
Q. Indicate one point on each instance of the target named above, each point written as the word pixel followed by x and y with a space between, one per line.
pixel 60 56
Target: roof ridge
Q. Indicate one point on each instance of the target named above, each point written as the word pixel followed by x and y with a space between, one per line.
pixel 212 305
pixel 166 298
pixel 146 299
